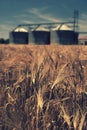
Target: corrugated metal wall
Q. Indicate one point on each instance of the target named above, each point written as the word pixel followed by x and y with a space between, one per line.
pixel 43 37
pixel 19 37
pixel 64 37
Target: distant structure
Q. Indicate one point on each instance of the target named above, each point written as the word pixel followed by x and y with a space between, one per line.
pixel 65 33
pixel 39 36
pixel 83 40
pixel 19 36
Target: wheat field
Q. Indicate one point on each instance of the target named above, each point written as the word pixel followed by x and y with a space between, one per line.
pixel 43 87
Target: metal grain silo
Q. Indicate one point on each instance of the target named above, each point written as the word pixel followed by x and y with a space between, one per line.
pixel 64 35
pixel 40 36
pixel 19 36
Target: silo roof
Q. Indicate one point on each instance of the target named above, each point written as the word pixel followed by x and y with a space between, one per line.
pixel 20 29
pixel 63 27
pixel 40 28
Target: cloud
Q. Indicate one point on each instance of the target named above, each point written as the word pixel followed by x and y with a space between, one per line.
pixel 27 21
pixel 40 13
pixel 35 15
pixel 83 22
pixel 83 16
pixel 21 16
pixel 5 28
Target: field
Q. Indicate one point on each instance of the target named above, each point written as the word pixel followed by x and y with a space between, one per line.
pixel 43 87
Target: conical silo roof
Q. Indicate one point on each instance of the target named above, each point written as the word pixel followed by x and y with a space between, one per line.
pixel 41 28
pixel 20 29
pixel 63 27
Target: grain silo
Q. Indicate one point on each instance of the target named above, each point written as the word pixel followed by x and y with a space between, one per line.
pixel 63 35
pixel 41 36
pixel 19 36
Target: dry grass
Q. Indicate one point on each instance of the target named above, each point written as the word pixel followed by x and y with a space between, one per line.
pixel 43 87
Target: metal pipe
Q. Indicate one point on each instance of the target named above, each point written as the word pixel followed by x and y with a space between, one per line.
pixel 45 24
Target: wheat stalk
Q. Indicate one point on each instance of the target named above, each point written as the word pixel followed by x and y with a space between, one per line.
pixel 60 77
pixel 65 116
pixel 82 120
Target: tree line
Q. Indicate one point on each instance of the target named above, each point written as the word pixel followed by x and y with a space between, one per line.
pixel 4 41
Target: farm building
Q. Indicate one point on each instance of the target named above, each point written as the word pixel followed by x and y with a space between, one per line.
pixel 39 36
pixel 64 35
pixel 42 35
pixel 83 40
pixel 19 36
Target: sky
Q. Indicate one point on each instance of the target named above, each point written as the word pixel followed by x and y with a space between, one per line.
pixel 15 12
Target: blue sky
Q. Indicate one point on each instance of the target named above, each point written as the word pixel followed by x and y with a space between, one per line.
pixel 15 12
